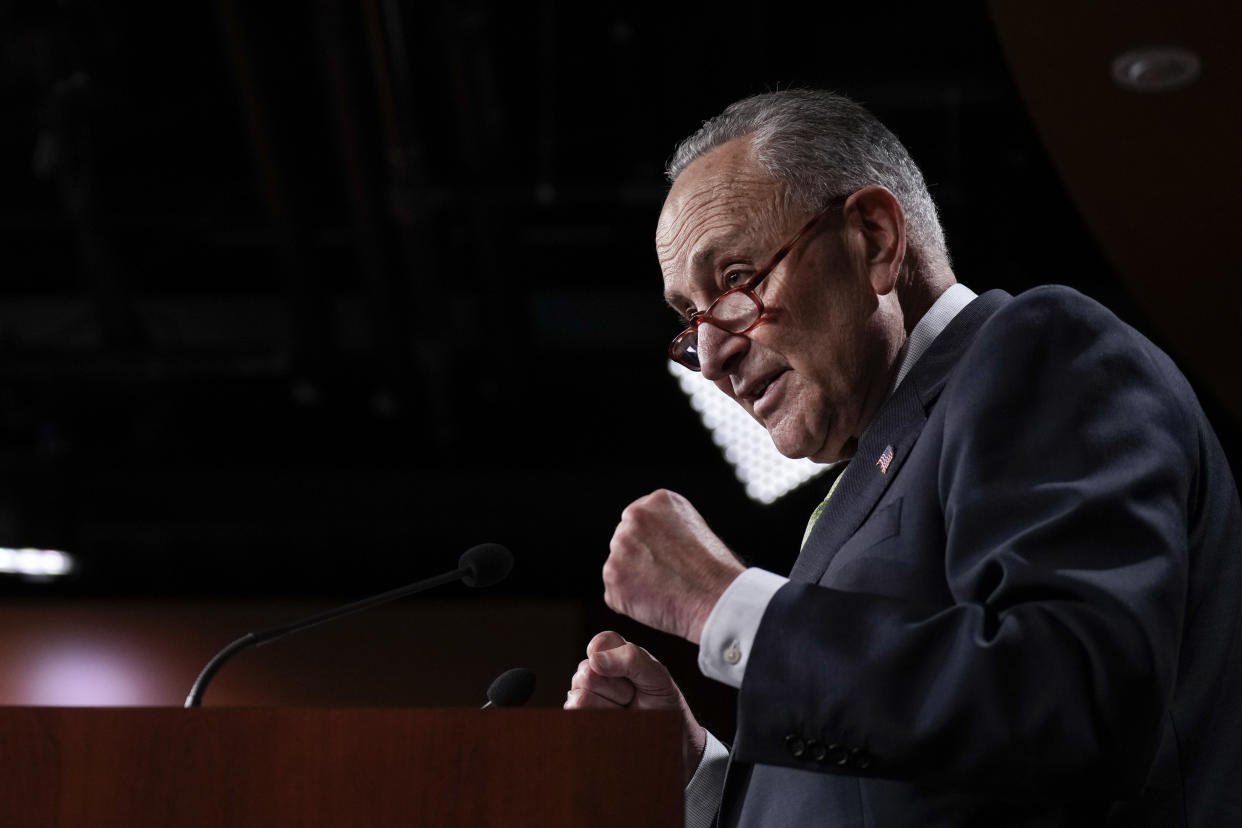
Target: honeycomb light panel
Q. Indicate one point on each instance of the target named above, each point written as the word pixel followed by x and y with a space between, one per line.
pixel 766 474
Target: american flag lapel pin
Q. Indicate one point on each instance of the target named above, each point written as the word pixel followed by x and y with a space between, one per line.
pixel 885 459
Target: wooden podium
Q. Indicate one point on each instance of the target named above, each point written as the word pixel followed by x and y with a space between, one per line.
pixel 226 767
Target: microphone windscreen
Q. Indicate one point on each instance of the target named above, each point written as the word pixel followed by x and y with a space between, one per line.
pixel 512 688
pixel 488 563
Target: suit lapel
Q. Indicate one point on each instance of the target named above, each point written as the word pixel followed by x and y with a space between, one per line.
pixel 897 425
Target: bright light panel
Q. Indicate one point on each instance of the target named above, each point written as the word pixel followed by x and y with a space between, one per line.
pixel 90 673
pixel 765 472
pixel 35 563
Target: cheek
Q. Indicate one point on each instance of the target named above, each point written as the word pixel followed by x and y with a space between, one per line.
pixel 826 351
pixel 835 368
pixel 825 323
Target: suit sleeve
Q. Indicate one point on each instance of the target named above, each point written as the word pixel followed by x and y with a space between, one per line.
pixel 1067 457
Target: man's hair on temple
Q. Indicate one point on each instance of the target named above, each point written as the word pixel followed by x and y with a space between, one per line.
pixel 821 145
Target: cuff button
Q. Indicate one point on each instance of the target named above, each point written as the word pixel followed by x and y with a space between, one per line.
pixel 795 745
pixel 860 759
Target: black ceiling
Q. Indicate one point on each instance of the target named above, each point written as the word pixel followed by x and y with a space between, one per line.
pixel 310 297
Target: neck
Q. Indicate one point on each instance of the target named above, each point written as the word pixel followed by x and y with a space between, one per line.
pixel 921 291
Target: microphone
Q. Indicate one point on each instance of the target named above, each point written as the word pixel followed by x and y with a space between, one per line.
pixel 512 688
pixel 487 564
pixel 479 566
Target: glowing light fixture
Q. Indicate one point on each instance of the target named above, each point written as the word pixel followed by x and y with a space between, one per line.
pixel 35 563
pixel 1156 69
pixel 765 472
pixel 90 672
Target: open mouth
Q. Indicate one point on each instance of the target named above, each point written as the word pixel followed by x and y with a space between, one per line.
pixel 765 395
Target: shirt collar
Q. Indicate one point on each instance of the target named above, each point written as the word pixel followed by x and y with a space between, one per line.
pixel 937 318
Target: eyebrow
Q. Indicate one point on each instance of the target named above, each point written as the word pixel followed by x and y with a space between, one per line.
pixel 702 258
pixel 676 302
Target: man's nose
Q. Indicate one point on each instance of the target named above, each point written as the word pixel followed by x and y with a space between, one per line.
pixel 718 350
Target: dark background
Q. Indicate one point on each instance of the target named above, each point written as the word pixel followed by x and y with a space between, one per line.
pixel 303 299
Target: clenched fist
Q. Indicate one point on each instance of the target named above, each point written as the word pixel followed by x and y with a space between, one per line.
pixel 616 674
pixel 665 567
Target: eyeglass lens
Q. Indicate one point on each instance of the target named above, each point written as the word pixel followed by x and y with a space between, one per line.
pixel 733 312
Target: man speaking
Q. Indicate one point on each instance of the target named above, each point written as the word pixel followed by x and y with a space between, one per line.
pixel 1018 604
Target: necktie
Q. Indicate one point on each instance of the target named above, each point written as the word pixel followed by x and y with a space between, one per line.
pixel 819 510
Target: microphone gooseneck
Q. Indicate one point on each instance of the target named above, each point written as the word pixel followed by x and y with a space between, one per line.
pixel 479 566
pixel 512 688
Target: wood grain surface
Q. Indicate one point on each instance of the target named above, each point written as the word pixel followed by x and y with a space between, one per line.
pixel 314 767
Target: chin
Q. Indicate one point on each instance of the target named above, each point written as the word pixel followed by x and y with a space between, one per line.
pixel 836 454
pixel 794 439
pixel 796 446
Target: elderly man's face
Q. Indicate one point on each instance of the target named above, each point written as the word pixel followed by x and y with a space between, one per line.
pixel 816 368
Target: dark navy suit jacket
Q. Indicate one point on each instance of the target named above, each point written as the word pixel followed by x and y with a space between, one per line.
pixel 1029 618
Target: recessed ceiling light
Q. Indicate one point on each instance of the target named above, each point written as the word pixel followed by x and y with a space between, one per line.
pixel 1156 69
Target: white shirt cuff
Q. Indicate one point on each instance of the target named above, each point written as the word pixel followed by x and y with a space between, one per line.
pixel 703 791
pixel 729 633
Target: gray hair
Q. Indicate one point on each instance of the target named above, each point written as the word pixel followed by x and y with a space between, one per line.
pixel 821 145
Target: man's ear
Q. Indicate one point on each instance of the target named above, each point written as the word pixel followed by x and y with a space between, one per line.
pixel 877 228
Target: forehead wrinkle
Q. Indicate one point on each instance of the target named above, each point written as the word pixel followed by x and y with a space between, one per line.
pixel 712 208
pixel 712 239
pixel 705 226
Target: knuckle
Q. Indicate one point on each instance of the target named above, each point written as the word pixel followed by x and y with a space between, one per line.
pixel 644 505
pixel 613 574
pixel 631 652
pixel 634 509
pixel 622 536
pixel 665 497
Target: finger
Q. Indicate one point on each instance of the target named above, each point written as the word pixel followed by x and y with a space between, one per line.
pixel 629 661
pixel 607 640
pixel 620 691
pixel 573 699
pixel 586 700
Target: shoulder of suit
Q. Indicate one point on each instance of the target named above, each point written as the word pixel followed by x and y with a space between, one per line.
pixel 1056 329
pixel 1053 308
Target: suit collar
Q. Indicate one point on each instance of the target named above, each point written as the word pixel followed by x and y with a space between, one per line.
pixel 897 425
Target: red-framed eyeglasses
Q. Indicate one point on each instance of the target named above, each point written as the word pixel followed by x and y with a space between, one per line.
pixel 737 311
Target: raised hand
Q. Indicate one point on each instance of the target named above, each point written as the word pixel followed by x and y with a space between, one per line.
pixel 666 568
